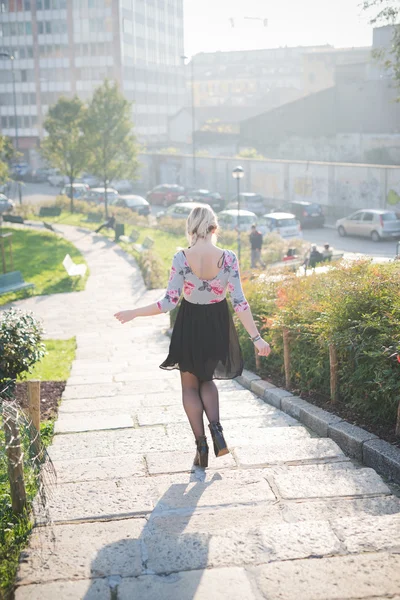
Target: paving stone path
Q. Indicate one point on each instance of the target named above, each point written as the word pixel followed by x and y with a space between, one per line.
pixel 285 516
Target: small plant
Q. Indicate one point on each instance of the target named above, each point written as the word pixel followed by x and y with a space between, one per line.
pixel 21 346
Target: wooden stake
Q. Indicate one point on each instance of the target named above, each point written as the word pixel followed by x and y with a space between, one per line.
pixel 15 465
pixel 34 402
pixel 286 357
pixel 334 373
pixel 398 421
pixel 258 359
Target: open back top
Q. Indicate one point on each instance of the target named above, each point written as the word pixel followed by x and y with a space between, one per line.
pixel 204 291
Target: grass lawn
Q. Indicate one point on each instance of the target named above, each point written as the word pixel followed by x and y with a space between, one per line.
pixel 14 532
pixel 39 255
pixel 56 364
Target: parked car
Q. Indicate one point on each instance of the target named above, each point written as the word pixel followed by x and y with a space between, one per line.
pixel 213 199
pixel 165 194
pixel 249 201
pixel 228 219
pixel 97 195
pixel 79 190
pixel 284 224
pixel 90 180
pixel 180 210
pixel 375 224
pixel 56 179
pixel 40 175
pixel 6 205
pixel 135 203
pixel 123 186
pixel 310 214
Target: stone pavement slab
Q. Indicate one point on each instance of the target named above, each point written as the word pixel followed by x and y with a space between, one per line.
pixel 110 548
pixel 113 406
pixel 175 462
pixel 275 452
pixel 369 534
pixel 92 421
pixel 319 481
pixel 192 585
pixel 85 589
pixel 95 469
pixel 335 578
pixel 91 500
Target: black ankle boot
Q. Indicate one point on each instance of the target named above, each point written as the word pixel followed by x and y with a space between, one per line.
pixel 201 458
pixel 220 447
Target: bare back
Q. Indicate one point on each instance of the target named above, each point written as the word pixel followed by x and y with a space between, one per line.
pixel 204 260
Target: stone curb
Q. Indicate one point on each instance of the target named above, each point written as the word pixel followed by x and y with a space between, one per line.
pixel 354 441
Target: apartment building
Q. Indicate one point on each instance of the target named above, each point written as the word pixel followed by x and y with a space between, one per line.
pixel 68 47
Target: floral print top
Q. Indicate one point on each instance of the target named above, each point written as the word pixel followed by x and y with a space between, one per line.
pixel 204 291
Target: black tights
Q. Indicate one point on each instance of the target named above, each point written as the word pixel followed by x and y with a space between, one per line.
pixel 198 397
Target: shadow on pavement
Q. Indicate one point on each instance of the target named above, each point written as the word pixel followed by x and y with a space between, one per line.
pixel 167 554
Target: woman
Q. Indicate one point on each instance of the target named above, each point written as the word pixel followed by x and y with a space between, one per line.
pixel 204 343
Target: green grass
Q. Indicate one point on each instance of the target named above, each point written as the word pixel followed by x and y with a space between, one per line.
pixel 39 255
pixel 56 364
pixel 14 531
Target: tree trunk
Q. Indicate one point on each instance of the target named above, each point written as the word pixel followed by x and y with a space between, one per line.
pixel 286 357
pixel 71 193
pixel 334 373
pixel 106 198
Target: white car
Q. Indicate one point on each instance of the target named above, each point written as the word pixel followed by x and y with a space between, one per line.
pixel 98 195
pixel 123 186
pixel 284 224
pixel 180 210
pixel 56 179
pixel 229 219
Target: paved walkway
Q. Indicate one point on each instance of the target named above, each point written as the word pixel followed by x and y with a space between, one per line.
pixel 285 516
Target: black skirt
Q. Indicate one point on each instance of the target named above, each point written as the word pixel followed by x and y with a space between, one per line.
pixel 204 342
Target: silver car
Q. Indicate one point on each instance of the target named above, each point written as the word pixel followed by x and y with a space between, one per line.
pixel 6 205
pixel 375 224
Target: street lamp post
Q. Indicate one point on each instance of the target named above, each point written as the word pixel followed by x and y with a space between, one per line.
pixel 12 58
pixel 238 174
pixel 193 120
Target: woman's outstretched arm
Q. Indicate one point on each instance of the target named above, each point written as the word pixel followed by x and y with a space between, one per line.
pixel 169 300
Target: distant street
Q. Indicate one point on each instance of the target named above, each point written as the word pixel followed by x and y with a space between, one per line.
pixel 37 193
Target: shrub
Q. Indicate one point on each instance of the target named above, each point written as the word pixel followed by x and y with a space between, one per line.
pixel 354 306
pixel 20 346
pixel 175 226
pixel 152 268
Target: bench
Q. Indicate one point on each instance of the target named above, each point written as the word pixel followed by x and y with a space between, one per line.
pixel 13 218
pixel 147 244
pixel 13 282
pixel 94 217
pixel 130 239
pixel 73 269
pixel 50 211
pixel 49 226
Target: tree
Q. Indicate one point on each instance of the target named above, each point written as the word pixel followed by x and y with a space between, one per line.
pixel 7 154
pixel 387 12
pixel 109 137
pixel 64 147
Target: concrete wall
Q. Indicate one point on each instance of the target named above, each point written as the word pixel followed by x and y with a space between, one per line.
pixel 340 188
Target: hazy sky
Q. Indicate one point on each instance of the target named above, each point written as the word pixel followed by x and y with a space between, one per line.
pixel 341 23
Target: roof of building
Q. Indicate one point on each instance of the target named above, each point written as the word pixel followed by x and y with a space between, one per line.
pixel 368 107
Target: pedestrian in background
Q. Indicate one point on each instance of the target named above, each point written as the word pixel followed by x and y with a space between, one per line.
pixel 256 242
pixel 109 224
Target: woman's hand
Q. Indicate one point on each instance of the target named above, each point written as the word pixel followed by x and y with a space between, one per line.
pixel 124 316
pixel 263 348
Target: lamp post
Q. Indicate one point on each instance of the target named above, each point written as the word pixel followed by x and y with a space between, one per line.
pixel 12 58
pixel 238 174
pixel 193 120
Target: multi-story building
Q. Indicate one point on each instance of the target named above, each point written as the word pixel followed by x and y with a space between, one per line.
pixel 68 47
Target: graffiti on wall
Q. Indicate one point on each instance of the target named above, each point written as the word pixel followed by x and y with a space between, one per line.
pixel 310 183
pixel 268 181
pixel 357 188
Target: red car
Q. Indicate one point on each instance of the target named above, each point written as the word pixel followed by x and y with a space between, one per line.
pixel 165 194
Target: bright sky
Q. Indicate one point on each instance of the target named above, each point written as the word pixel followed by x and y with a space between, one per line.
pixel 208 28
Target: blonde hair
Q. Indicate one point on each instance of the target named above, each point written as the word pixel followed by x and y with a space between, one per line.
pixel 200 223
